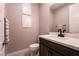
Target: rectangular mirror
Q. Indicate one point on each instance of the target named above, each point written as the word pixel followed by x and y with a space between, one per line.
pixel 65 14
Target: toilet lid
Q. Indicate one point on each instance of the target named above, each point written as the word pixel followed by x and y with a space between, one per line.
pixel 34 45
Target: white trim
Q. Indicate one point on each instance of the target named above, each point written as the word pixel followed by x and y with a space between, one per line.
pixel 23 52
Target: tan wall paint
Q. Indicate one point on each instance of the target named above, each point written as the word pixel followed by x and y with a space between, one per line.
pixel 51 22
pixel 61 16
pixel 20 37
pixel 44 22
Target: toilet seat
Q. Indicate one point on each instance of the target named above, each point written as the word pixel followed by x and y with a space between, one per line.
pixel 34 46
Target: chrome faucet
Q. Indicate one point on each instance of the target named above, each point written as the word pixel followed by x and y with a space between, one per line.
pixel 61 31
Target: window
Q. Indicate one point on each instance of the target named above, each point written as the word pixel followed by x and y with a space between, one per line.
pixel 26 15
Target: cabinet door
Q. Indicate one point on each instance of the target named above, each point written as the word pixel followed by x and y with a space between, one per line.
pixel 56 54
pixel 43 50
pixel 53 53
pixel 50 53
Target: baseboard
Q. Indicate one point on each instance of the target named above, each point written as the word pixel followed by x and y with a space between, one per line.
pixel 23 52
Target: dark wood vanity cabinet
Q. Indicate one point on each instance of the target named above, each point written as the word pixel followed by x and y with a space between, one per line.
pixel 48 48
pixel 46 51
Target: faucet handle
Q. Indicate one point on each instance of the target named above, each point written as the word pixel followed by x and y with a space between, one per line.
pixel 59 30
pixel 64 28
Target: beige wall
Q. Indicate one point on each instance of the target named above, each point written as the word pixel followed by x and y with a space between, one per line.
pixel 61 17
pixel 20 37
pixel 51 22
pixel 44 22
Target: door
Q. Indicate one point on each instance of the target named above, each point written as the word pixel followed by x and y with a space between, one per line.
pixel 74 18
pixel 1 28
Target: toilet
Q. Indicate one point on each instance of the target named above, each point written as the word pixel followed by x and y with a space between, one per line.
pixel 34 49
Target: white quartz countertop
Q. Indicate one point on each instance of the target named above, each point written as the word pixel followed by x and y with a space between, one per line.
pixel 65 41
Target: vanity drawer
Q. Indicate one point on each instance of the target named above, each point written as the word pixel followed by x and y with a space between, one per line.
pixel 66 51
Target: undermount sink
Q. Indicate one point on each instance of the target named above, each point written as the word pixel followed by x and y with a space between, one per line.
pixel 70 35
pixel 58 38
pixel 63 39
pixel 55 35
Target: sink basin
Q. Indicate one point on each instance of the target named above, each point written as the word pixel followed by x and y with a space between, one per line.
pixel 72 35
pixel 56 37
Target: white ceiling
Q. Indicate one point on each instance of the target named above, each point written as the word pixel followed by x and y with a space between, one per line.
pixel 57 5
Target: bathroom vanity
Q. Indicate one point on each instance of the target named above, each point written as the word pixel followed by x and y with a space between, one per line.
pixel 58 46
pixel 66 21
